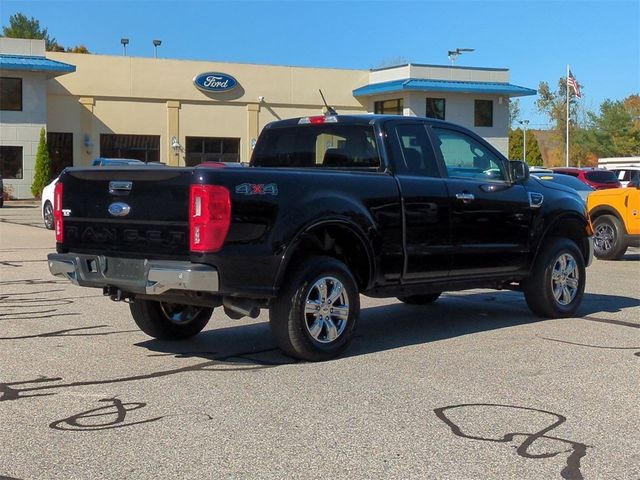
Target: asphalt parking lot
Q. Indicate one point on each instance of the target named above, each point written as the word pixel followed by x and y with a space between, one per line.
pixel 471 387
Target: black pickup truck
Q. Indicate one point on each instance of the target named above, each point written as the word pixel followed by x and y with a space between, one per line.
pixel 330 207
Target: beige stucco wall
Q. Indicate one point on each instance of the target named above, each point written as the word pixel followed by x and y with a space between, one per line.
pixel 157 97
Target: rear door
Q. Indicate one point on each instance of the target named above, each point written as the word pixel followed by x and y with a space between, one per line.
pixel 490 216
pixel 426 203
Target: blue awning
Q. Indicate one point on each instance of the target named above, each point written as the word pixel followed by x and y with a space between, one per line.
pixel 34 64
pixel 419 84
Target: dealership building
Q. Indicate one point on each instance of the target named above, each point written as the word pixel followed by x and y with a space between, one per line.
pixel 184 112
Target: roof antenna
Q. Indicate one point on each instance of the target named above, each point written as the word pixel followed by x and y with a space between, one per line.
pixel 330 110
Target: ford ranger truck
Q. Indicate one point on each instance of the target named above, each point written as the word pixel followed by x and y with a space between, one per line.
pixel 331 207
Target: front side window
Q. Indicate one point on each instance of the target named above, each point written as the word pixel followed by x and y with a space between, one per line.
pixel 11 162
pixel 483 113
pixel 435 108
pixel 465 157
pixel 389 107
pixel 317 146
pixel 11 94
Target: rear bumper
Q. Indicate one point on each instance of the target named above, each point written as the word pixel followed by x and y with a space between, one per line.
pixel 151 277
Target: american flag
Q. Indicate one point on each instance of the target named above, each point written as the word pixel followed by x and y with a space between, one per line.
pixel 573 83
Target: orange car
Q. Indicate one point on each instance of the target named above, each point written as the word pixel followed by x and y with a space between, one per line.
pixel 615 214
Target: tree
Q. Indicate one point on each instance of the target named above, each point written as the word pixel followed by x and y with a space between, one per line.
pixel 42 171
pixel 22 27
pixel 534 156
pixel 554 105
pixel 514 111
pixel 78 49
pixel 614 132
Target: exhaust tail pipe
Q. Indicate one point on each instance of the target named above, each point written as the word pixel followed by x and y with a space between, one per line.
pixel 237 308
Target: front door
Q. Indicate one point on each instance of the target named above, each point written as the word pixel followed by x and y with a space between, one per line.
pixel 490 216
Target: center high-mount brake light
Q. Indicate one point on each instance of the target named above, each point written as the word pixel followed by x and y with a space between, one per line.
pixel 57 212
pixel 209 217
pixel 317 120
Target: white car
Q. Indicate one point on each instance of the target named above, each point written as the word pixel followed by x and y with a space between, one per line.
pixel 626 174
pixel 47 204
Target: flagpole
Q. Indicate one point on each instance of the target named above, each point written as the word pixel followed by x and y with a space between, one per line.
pixel 567 145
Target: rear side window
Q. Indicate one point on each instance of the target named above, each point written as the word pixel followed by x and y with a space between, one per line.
pixel 318 146
pixel 601 176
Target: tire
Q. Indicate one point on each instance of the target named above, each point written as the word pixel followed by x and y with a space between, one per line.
pixel 169 321
pixel 47 215
pixel 556 285
pixel 320 334
pixel 608 239
pixel 423 299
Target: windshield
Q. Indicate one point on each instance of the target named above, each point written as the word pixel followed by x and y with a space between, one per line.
pixel 317 146
pixel 601 176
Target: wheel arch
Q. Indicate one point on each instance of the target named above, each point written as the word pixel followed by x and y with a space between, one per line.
pixel 338 238
pixel 572 226
pixel 598 212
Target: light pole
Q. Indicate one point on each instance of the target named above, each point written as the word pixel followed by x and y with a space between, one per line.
pixel 453 54
pixel 524 124
pixel 124 42
pixel 156 44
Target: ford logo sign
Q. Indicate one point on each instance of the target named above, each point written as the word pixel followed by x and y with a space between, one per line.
pixel 119 209
pixel 215 82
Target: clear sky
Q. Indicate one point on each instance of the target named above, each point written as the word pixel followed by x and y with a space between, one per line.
pixel 534 39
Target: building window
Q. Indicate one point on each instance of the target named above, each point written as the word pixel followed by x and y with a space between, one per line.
pixel 60 147
pixel 388 107
pixel 435 108
pixel 483 114
pixel 211 149
pixel 11 94
pixel 139 147
pixel 11 162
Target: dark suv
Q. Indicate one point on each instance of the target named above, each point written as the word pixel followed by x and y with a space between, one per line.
pixel 598 178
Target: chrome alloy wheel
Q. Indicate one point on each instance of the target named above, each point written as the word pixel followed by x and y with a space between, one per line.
pixel 604 238
pixel 180 314
pixel 565 279
pixel 326 310
pixel 48 216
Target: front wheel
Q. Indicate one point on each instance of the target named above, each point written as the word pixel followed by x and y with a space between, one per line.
pixel 315 315
pixel 169 321
pixel 47 215
pixel 608 242
pixel 556 285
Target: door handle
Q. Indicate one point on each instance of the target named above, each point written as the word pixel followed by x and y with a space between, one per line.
pixel 465 197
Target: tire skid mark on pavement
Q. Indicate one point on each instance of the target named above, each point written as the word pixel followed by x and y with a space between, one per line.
pixel 604 347
pixel 249 361
pixel 67 332
pixel 576 452
pixel 612 321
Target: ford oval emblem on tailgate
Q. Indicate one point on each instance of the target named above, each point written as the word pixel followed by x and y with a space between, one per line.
pixel 119 209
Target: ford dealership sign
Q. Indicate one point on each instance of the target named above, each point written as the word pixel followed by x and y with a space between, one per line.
pixel 215 82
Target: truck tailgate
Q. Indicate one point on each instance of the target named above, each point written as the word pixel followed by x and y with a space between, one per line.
pixel 156 200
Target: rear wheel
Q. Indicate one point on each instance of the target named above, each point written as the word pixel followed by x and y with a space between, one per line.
pixel 47 215
pixel 315 315
pixel 169 321
pixel 557 282
pixel 608 239
pixel 424 299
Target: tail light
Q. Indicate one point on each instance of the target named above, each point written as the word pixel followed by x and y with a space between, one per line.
pixel 57 212
pixel 209 217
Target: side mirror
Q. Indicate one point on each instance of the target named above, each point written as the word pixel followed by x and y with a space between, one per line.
pixel 519 171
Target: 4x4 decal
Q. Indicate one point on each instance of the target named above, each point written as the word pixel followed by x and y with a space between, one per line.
pixel 257 189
